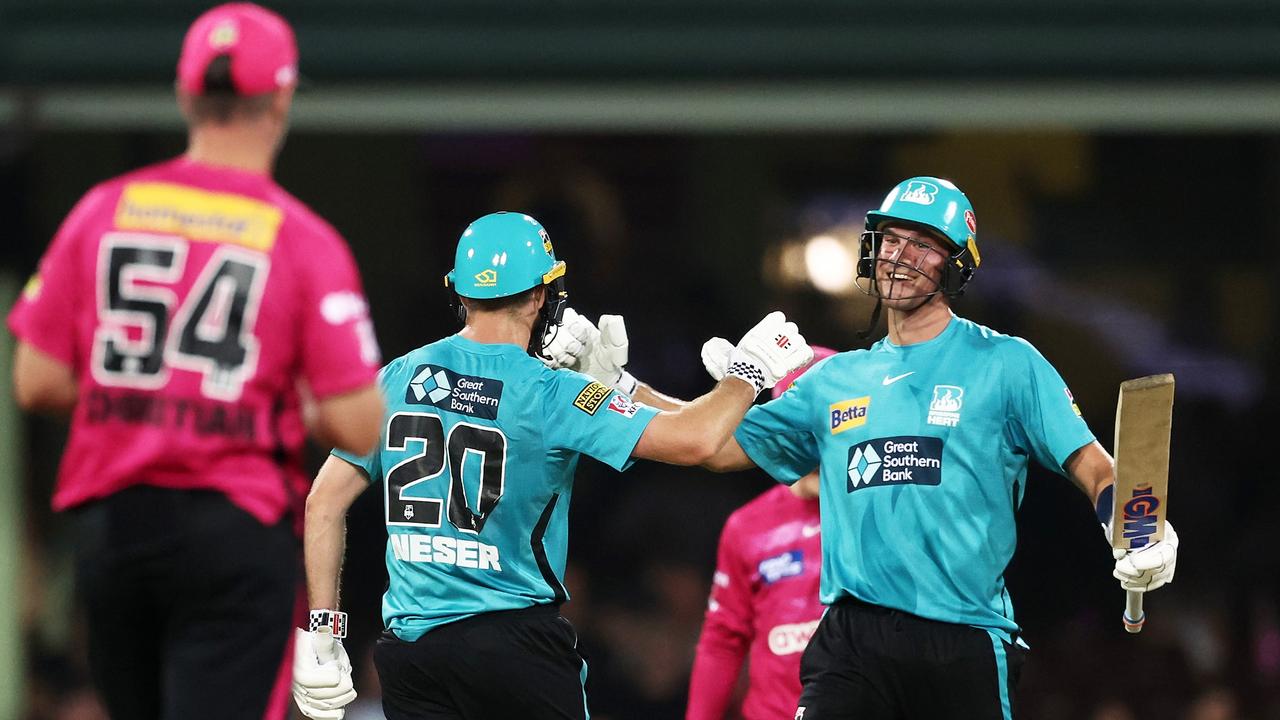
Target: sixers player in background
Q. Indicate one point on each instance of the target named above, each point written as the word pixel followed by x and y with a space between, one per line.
pixel 764 600
pixel 476 466
pixel 921 443
pixel 183 315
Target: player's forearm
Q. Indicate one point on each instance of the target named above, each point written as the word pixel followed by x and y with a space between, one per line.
pixel 646 395
pixel 1092 470
pixel 695 432
pixel 715 673
pixel 324 537
pixel 324 543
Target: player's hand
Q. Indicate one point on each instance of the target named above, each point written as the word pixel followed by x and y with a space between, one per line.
pixel 321 675
pixel 571 342
pixel 770 350
pixel 715 357
pixel 600 352
pixel 1151 567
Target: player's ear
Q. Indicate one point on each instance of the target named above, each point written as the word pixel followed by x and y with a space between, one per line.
pixel 184 104
pixel 281 101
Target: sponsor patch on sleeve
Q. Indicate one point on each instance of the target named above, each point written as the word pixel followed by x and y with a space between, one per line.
pixel 623 405
pixel 1071 399
pixel 591 398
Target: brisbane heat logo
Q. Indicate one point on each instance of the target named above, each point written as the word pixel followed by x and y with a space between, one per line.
pixel 1141 516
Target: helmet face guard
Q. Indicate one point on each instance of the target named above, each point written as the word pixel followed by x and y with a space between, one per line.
pixel 933 205
pixel 957 268
pixel 550 315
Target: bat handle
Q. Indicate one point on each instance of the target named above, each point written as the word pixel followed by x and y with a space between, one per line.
pixel 1134 616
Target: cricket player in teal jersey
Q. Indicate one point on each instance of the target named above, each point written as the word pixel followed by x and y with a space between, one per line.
pixel 475 463
pixel 922 443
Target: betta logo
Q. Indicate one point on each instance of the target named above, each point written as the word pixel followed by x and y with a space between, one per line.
pixel 848 414
pixel 1140 517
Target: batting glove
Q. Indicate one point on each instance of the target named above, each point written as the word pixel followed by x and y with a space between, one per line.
pixel 1151 567
pixel 600 352
pixel 715 357
pixel 570 342
pixel 770 350
pixel 321 675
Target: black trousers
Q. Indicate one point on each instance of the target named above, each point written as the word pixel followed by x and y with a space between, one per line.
pixel 189 601
pixel 511 664
pixel 873 663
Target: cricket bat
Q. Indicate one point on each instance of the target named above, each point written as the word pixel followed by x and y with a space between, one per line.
pixel 1144 416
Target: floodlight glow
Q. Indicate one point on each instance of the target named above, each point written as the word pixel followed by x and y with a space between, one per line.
pixel 830 265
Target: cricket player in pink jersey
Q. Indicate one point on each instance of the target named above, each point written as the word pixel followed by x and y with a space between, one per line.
pixel 764 600
pixel 185 314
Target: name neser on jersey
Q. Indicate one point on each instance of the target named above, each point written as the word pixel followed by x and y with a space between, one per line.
pixel 445 550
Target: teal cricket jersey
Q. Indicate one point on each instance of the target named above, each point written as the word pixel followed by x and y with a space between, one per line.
pixel 476 469
pixel 923 454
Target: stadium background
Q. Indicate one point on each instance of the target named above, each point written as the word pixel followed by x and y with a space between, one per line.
pixel 698 163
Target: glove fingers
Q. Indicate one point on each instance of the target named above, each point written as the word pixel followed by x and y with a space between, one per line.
pixel 318 676
pixel 320 713
pixel 326 701
pixel 613 339
pixel 325 692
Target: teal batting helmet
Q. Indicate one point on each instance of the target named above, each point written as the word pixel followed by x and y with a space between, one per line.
pixel 502 254
pixel 939 206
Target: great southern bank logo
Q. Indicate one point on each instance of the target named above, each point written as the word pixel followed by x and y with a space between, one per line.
pixel 447 390
pixel 899 460
pixel 427 384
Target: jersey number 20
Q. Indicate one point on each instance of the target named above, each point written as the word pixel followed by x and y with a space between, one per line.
pixel 438 452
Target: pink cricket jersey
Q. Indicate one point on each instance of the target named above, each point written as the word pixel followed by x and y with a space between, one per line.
pixel 764 601
pixel 189 301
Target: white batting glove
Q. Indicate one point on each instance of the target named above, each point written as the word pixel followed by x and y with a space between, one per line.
pixel 598 352
pixel 570 342
pixel 715 357
pixel 1151 567
pixel 321 675
pixel 770 350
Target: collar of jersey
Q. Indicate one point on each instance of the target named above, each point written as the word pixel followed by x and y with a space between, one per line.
pixel 952 328
pixel 484 348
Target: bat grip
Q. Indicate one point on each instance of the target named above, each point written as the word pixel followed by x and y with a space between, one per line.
pixel 1134 616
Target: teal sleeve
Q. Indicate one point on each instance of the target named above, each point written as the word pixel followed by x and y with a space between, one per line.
pixel 1045 420
pixel 587 417
pixel 778 436
pixel 371 464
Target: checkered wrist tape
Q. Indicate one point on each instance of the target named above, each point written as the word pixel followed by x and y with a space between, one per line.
pixel 746 371
pixel 335 620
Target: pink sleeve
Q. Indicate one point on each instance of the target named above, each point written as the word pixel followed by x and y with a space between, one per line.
pixel 726 633
pixel 46 313
pixel 340 351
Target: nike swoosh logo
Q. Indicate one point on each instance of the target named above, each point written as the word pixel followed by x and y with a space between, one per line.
pixel 891 380
pixel 810 530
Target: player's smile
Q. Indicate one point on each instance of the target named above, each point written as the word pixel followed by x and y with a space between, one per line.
pixel 908 263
